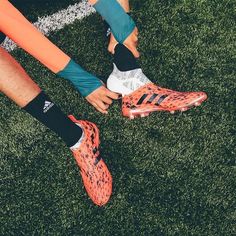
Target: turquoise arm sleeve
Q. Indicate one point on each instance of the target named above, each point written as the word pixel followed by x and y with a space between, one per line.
pixel 83 81
pixel 122 25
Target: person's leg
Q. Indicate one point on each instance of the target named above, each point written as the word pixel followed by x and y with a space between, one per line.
pixel 2 38
pixel 140 95
pixel 81 136
pixel 19 29
pixel 19 87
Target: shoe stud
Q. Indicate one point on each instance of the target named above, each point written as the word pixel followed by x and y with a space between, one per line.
pixel 143 115
pixel 131 117
pixel 183 109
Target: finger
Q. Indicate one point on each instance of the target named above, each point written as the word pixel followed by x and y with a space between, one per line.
pixel 99 109
pixel 102 111
pixel 112 45
pixel 111 49
pixel 102 105
pixel 107 100
pixel 135 39
pixel 112 94
pixel 134 50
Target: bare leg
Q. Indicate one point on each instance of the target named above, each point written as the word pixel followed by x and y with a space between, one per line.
pixel 14 82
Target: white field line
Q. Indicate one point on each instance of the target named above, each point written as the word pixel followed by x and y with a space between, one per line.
pixel 57 21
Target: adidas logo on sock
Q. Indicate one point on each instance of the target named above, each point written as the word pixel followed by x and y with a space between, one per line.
pixel 47 105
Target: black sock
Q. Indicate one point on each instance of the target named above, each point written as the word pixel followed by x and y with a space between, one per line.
pixel 45 111
pixel 124 59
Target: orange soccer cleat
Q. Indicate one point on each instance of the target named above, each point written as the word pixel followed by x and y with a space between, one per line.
pixel 150 98
pixel 95 174
pixel 141 96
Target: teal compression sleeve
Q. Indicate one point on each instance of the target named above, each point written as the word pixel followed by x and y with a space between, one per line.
pixel 83 81
pixel 122 25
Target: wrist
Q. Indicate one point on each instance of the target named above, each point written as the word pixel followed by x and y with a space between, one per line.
pixel 122 25
pixel 83 81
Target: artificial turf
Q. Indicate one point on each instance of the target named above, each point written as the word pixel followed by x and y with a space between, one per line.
pixel 173 174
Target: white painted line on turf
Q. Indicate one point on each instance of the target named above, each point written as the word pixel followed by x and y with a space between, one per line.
pixel 57 21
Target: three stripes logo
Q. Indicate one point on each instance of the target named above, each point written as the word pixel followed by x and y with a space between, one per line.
pixel 47 106
pixel 156 99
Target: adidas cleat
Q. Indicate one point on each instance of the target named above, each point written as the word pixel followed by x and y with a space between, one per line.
pixel 95 174
pixel 141 96
pixel 150 98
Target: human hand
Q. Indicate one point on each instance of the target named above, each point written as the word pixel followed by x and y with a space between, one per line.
pixel 131 43
pixel 101 99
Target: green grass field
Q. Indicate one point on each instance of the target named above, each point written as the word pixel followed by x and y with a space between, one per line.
pixel 173 174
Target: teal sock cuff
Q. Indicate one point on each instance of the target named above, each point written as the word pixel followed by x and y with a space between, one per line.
pixel 122 25
pixel 83 81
